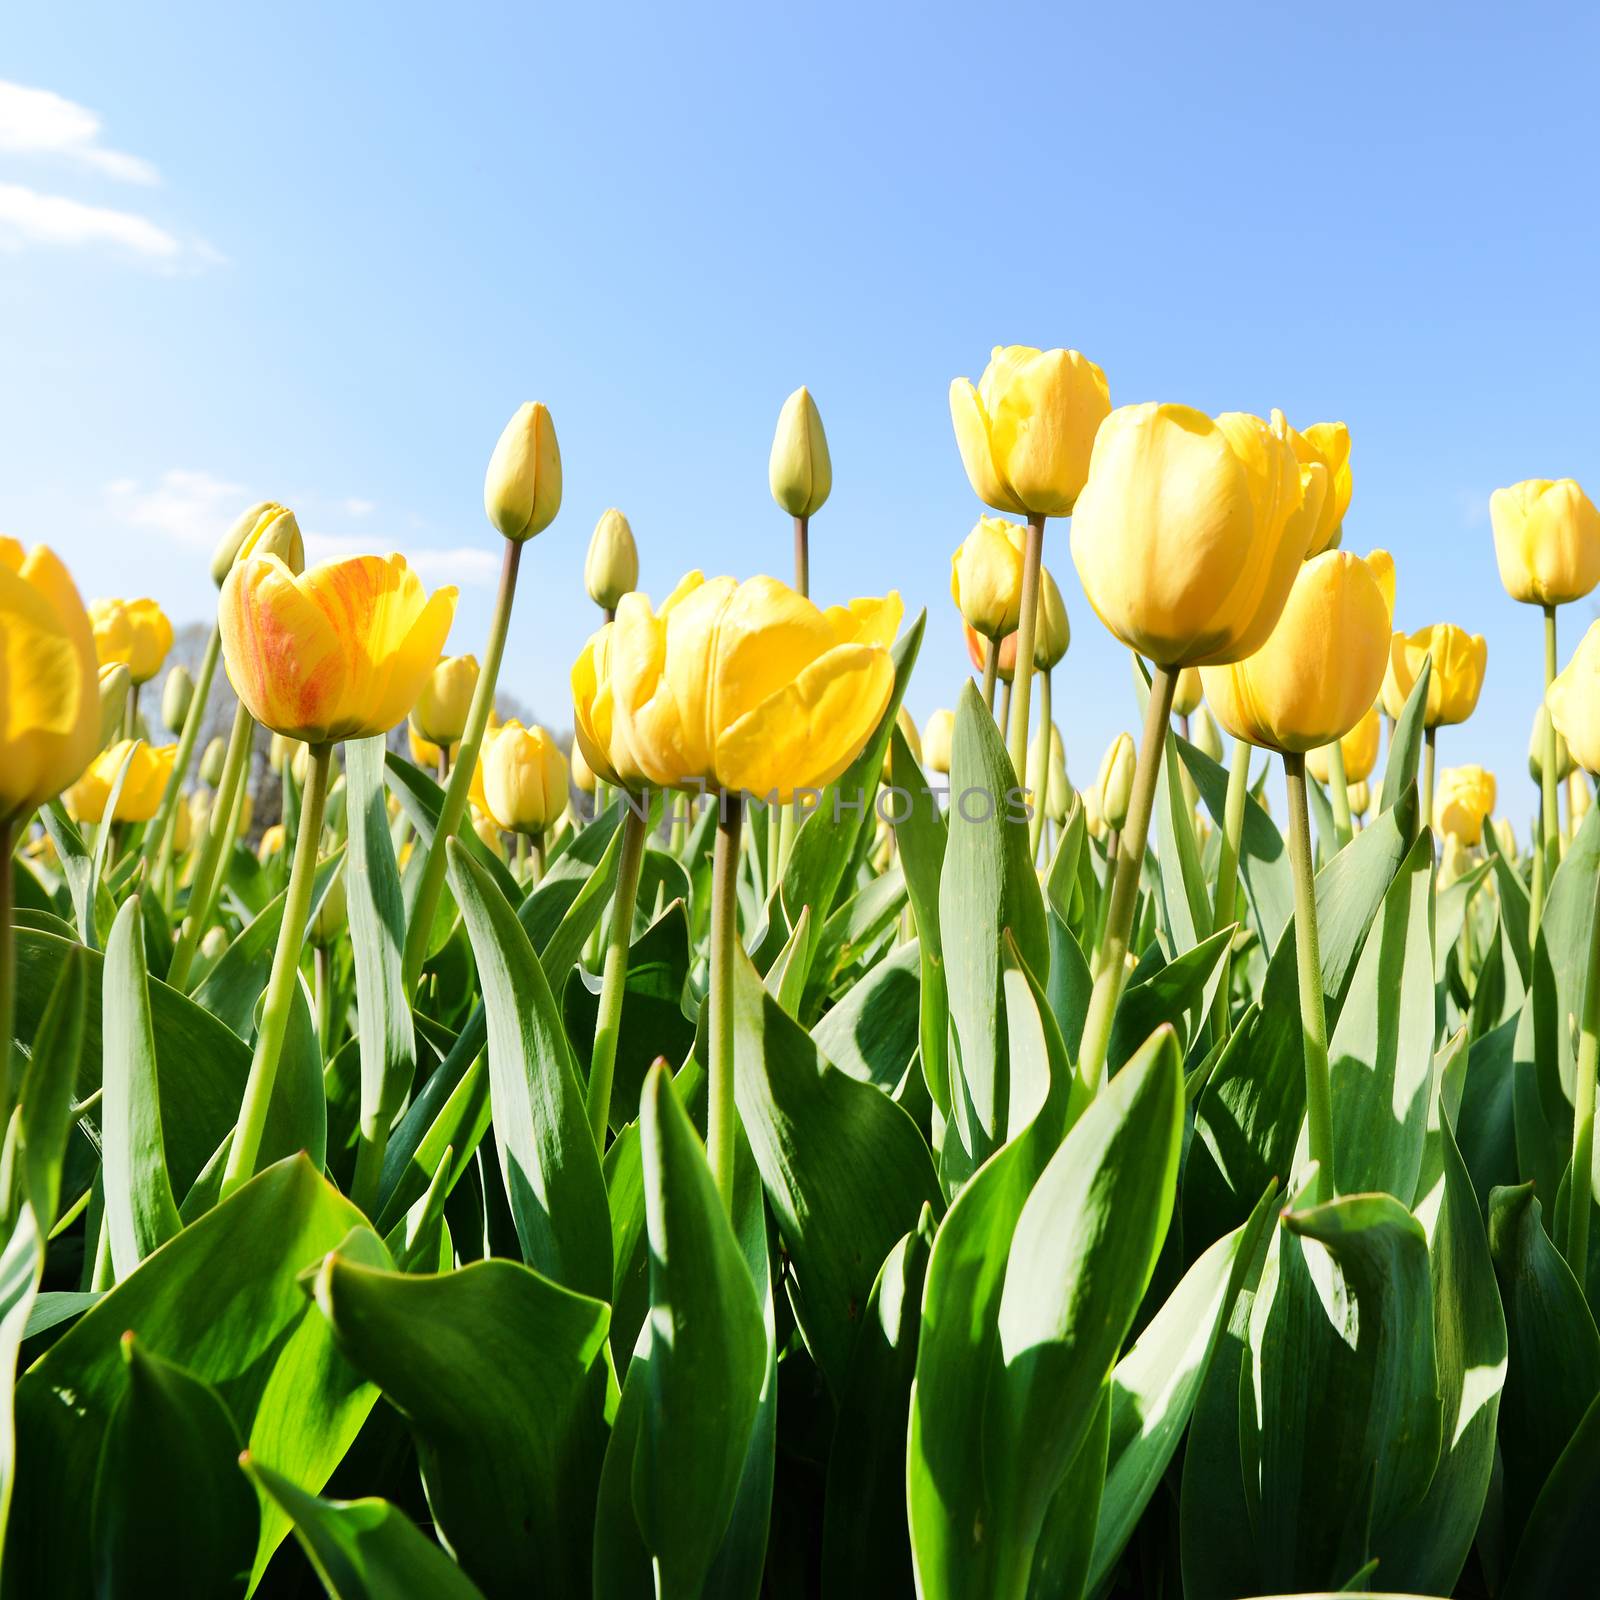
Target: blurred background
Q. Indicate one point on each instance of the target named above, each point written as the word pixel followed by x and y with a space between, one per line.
pixel 320 254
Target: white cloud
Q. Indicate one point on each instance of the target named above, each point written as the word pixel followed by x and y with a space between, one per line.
pixel 193 509
pixel 28 217
pixel 40 122
pixel 467 566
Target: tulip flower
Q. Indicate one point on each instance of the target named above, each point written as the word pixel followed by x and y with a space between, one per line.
pixel 1574 702
pixel 986 577
pixel 1204 733
pixel 1093 817
pixel 1459 659
pixel 913 739
pixel 1115 783
pixel 582 773
pixel 1359 797
pixel 177 695
pixel 611 568
pixel 332 918
pixel 1543 731
pixel 250 531
pixel 1546 541
pixel 271 843
pixel 135 632
pixel 1327 444
pixel 1463 801
pixel 148 768
pixel 800 473
pixel 938 734
pixel 1186 692
pixel 1358 748
pixel 114 685
pixel 211 762
pixel 522 489
pixel 1051 798
pixel 524 779
pixel 440 714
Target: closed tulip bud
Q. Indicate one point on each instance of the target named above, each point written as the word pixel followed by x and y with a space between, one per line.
pixel 800 470
pixel 913 739
pixel 300 767
pixel 611 569
pixel 440 714
pixel 1459 660
pixel 177 695
pixel 1051 633
pixel 524 779
pixel 1116 780
pixel 424 752
pixel 214 946
pixel 272 840
pixel 280 752
pixel 1506 837
pixel 1359 748
pixel 1053 763
pixel 1546 541
pixel 1541 726
pixel 1316 676
pixel 1579 797
pixel 522 489
pixel 938 734
pixel 1327 444
pixel 266 528
pixel 582 773
pixel 213 760
pixel 744 688
pixel 247 813
pixel 132 631
pixel 488 830
pixel 1187 692
pixel 1204 734
pixel 332 917
pixel 986 577
pixel 114 684
pixel 199 808
pixel 1190 532
pixel 182 827
pixel 340 651
pixel 1026 431
pixel 1462 800
pixel 1453 862
pixel 1574 701
pixel 146 781
pixel 1360 797
pixel 1093 818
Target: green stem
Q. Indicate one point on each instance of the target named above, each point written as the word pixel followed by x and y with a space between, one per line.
pixel 1027 627
pixel 1113 845
pixel 802 555
pixel 1043 785
pixel 991 672
pixel 1005 702
pixel 522 859
pixel 466 763
pixel 1227 901
pixel 246 1144
pixel 535 861
pixel 323 990
pixel 8 975
pixel 724 952
pixel 158 837
pixel 130 713
pixel 218 830
pixel 1110 960
pixel 1430 745
pixel 608 1021
pixel 1549 778
pixel 1339 794
pixel 1308 960
pixel 1581 1185
pixel 1537 884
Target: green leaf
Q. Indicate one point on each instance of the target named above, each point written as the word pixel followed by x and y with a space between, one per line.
pixel 422 799
pixel 1556 1553
pixel 91 904
pixel 141 1214
pixel 845 1170
pixel 222 1300
pixel 547 1155
pixel 1405 743
pixel 171 1516
pixel 848 937
pixel 505 1380
pixel 872 1033
pixel 1066 1542
pixel 1514 904
pixel 1185 898
pixel 364 1549
pixel 1176 993
pixel 1486 1123
pixel 49 1083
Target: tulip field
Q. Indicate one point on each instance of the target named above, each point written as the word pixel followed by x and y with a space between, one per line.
pixel 735 1141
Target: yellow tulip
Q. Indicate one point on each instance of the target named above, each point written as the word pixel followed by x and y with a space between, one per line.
pixel 338 652
pixel 1026 431
pixel 1506 836
pixel 746 687
pixel 1459 659
pixel 1360 749
pixel 1204 734
pixel 1464 798
pixel 247 811
pixel 272 840
pixel 938 734
pixel 1546 541
pixel 280 752
pixel 1093 817
pixel 1579 798
pixel 1541 722
pixel 148 770
pixel 1187 692
pixel 800 470
pixel 524 779
pixel 49 686
pixel 611 568
pixel 440 714
pixel 1190 532
pixel 1053 763
pixel 1316 676
pixel 1360 797
pixel 198 807
pixel 1052 633
pixel 488 830
pixel 1574 701
pixel 582 772
pixel 132 631
pixel 597 735
pixel 986 577
pixel 250 529
pixel 522 488
pixel 182 827
pixel 114 684
pixel 1327 444
pixel 1115 783
pixel 913 739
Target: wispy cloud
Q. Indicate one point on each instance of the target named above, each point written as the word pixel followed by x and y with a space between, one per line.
pixel 28 217
pixel 39 122
pixel 467 566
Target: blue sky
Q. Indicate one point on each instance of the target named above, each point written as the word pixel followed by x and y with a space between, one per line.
pixel 322 253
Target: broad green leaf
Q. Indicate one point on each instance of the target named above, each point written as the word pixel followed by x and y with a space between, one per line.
pixel 505 1380
pixel 1176 993
pixel 848 936
pixel 1556 1553
pixel 364 1549
pixel 141 1214
pixel 1486 1129
pixel 1405 743
pixel 1185 897
pixel 48 1087
pixel 547 1155
pixel 921 835
pixel 1515 906
pixel 873 1031
pixel 171 1514
pixel 91 904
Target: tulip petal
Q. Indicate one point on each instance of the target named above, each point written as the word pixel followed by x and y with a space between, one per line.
pixel 977 453
pixel 284 658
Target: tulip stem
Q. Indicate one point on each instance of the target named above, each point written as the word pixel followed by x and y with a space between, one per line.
pixel 8 973
pixel 1027 627
pixel 158 839
pixel 1549 778
pixel 218 829
pixel 991 672
pixel 535 861
pixel 802 555
pixel 1430 744
pixel 285 976
pixel 608 1021
pixel 1339 794
pixel 324 996
pixel 1047 741
pixel 1227 900
pixel 1113 845
pixel 1581 1182
pixel 130 713
pixel 1308 960
pixel 724 951
pixel 466 763
pixel 1110 970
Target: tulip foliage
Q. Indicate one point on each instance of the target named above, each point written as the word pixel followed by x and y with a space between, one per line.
pixel 807 1171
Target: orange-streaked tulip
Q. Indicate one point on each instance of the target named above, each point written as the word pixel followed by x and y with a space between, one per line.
pixel 524 779
pixel 800 470
pixel 1327 444
pixel 1546 541
pixel 149 767
pixel 1464 798
pixel 1574 701
pixel 522 488
pixel 747 687
pixel 1459 660
pixel 1026 431
pixel 50 710
pixel 132 631
pixel 1190 532
pixel 1360 749
pixel 986 577
pixel 611 568
pixel 440 714
pixel 938 735
pixel 340 651
pixel 1320 669
pixel 978 651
